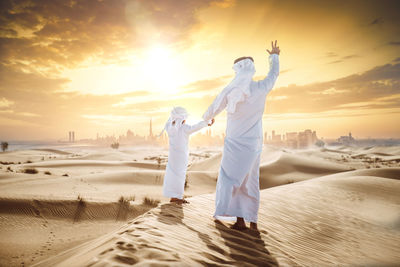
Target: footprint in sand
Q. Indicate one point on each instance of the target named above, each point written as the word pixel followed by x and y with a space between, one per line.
pixel 106 251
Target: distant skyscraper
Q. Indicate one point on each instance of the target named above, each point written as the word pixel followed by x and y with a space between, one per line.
pixel 71 136
pixel 151 129
pixel 276 137
pixel 346 139
pixel 129 135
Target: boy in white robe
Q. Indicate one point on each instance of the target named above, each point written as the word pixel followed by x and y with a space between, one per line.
pixel 238 191
pixel 178 135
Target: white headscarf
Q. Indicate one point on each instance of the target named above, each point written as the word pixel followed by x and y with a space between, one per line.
pixel 178 115
pixel 239 88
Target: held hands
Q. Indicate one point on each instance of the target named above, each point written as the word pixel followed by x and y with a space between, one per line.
pixel 212 122
pixel 275 49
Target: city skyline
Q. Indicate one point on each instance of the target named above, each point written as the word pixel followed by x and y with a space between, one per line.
pixel 275 135
pixel 206 137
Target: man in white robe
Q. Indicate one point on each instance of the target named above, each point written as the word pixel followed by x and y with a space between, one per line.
pixel 238 189
pixel 178 135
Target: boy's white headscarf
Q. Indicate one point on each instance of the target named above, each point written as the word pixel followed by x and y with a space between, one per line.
pixel 178 114
pixel 239 88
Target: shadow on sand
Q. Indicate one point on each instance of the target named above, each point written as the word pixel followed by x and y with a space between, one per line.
pixel 245 247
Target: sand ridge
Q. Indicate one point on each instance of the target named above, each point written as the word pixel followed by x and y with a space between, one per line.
pixel 318 222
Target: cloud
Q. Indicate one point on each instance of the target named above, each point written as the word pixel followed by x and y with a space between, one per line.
pixel 373 89
pixel 107 117
pixel 331 54
pixel 335 114
pixel 18 114
pixel 284 71
pixel 166 21
pixel 376 88
pixel 377 21
pixel 5 103
pixel 28 114
pixel 50 35
pixel 350 56
pixel 224 3
pixel 394 43
pixel 208 85
pixel 343 58
pixel 330 91
pixel 335 61
pixel 61 32
pixel 40 39
pixel 36 99
pixel 13 81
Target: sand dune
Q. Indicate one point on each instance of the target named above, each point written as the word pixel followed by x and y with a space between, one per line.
pixel 293 168
pixel 323 221
pixel 210 164
pixel 73 210
pixel 116 177
pixel 95 163
pixel 23 156
pixel 107 185
pixel 33 229
pixel 54 151
pixel 279 167
pixel 332 206
pixel 388 150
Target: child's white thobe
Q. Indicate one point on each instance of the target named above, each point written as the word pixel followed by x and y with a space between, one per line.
pixel 175 174
pixel 238 190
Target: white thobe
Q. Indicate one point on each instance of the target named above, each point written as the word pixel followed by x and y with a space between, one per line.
pixel 175 174
pixel 238 189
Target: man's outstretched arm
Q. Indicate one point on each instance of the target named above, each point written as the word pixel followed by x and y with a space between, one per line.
pixel 216 107
pixel 273 73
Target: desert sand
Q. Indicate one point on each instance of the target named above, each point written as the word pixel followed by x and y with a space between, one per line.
pixel 320 206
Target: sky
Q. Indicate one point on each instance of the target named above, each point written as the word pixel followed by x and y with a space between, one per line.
pixel 106 66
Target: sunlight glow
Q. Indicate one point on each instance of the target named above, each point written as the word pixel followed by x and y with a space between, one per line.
pixel 162 69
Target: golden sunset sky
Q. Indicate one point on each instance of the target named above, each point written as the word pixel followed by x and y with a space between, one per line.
pixel 108 66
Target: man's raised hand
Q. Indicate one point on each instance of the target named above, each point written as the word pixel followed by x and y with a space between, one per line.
pixel 275 49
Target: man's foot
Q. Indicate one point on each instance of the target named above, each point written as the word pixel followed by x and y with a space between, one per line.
pixel 253 226
pixel 179 201
pixel 239 224
pixel 182 201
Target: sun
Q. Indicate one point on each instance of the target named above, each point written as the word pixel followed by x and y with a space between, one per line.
pixel 162 68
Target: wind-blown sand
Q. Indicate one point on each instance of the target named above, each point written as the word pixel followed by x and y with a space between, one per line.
pixel 336 206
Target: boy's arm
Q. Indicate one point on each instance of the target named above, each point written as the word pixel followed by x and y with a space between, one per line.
pixel 189 129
